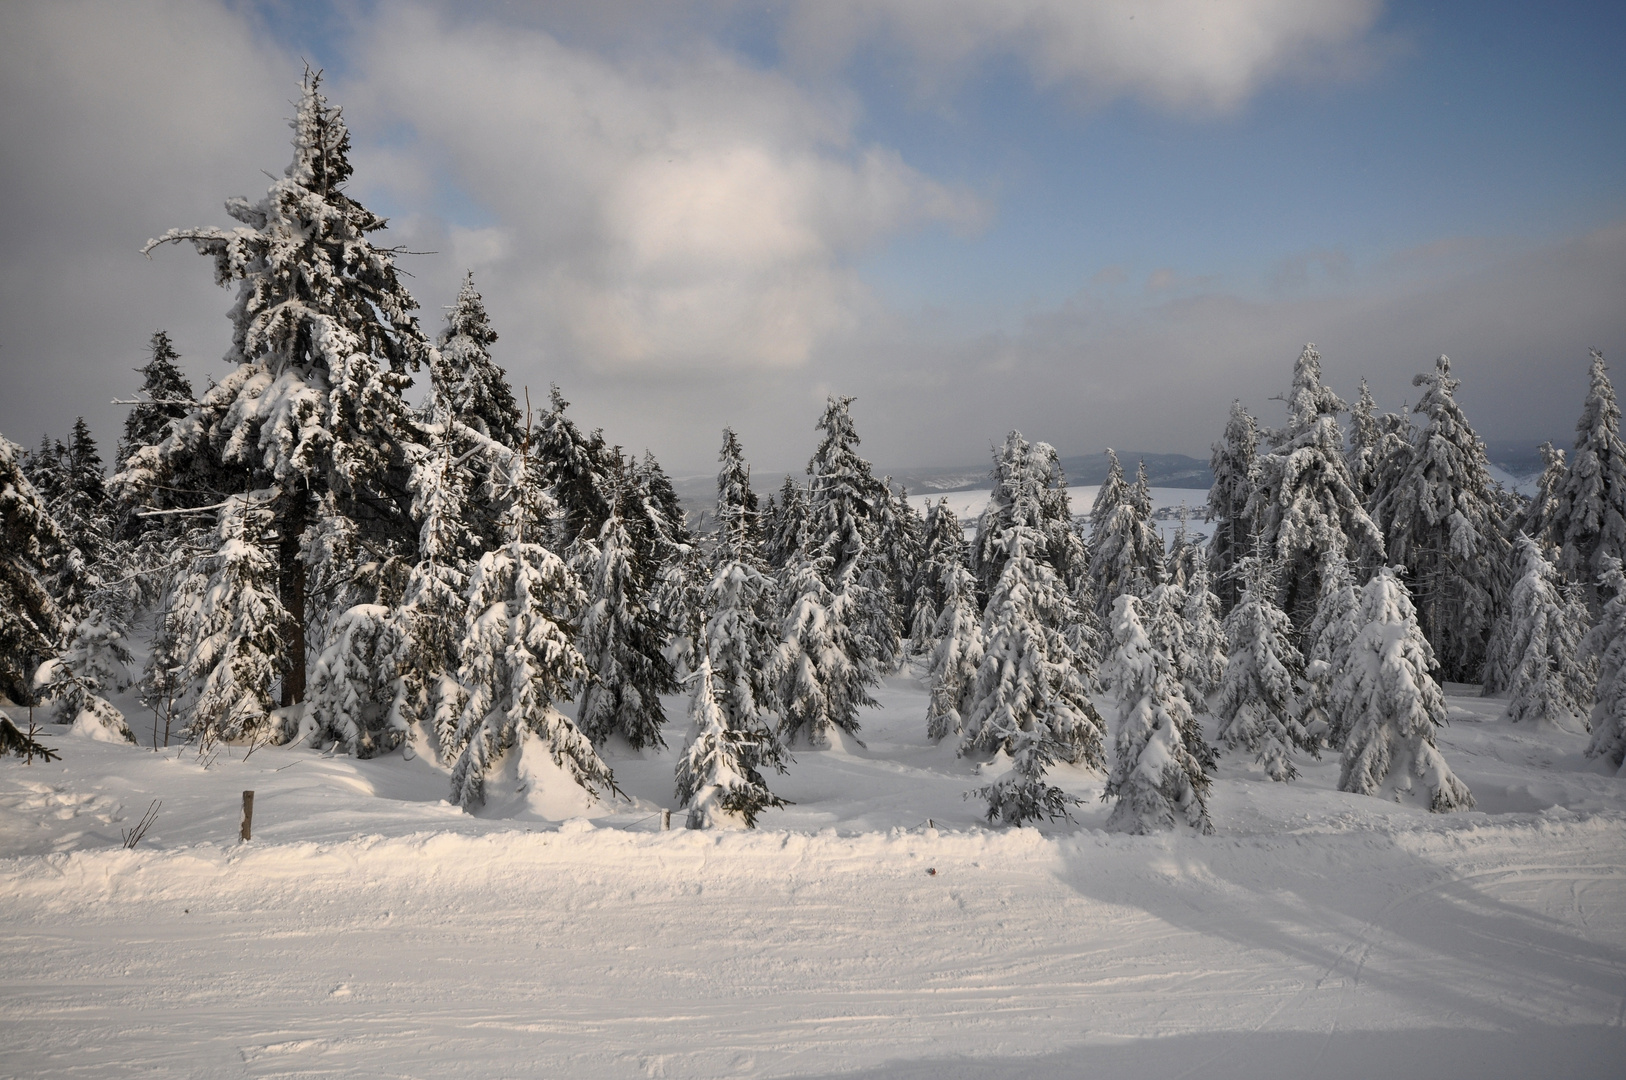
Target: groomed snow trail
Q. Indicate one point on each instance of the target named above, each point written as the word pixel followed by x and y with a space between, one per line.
pixel 1318 935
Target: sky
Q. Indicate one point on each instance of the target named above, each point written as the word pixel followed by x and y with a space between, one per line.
pixel 1096 221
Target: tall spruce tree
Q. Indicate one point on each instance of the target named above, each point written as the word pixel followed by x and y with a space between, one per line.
pixel 843 502
pixel 578 470
pixel 1126 549
pixel 1029 488
pixel 621 640
pixel 819 685
pixel 1229 500
pixel 1157 777
pixel 956 654
pixel 1390 705
pixel 1441 522
pixel 789 536
pixel 166 394
pixel 224 624
pixel 739 522
pixel 1365 443
pixel 517 654
pixel 32 626
pixel 1540 517
pixel 1591 515
pixel 717 777
pixel 1606 646
pixel 1261 706
pixel 323 339
pixel 1539 659
pixel 1305 502
pixel 1029 698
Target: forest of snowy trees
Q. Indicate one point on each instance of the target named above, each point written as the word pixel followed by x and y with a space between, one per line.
pixel 316 558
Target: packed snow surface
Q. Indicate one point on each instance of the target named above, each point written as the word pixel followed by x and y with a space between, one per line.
pixel 370 929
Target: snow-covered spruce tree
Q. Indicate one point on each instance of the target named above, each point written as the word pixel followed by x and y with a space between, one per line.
pixel 944 547
pixel 517 654
pixel 31 624
pixel 1205 639
pixel 1540 517
pixel 1336 624
pixel 900 543
pixel 95 663
pixel 739 645
pixel 1539 659
pixel 956 654
pixel 1163 618
pixel 1157 777
pixel 621 639
pixel 843 500
pixel 1232 463
pixel 1606 646
pixel 716 777
pixel 1365 443
pixel 739 525
pixel 1305 503
pixel 224 622
pixel 466 381
pixel 1029 698
pixel 384 668
pixel 323 338
pixel 819 684
pixel 577 469
pixel 165 395
pixel 1441 521
pixel 1390 704
pixel 1591 516
pixel 1261 706
pixel 84 559
pixel 739 634
pixel 1028 476
pixel 789 535
pixel 1126 550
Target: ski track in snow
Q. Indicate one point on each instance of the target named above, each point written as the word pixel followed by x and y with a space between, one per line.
pixel 372 930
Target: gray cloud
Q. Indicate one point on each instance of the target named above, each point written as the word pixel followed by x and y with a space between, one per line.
pixel 119 121
pixel 670 233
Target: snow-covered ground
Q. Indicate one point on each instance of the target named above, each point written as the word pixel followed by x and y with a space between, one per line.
pixel 370 929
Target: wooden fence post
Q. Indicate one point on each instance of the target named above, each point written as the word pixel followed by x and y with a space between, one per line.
pixel 247 830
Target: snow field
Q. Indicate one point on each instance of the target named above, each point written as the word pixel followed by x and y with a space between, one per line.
pixel 369 929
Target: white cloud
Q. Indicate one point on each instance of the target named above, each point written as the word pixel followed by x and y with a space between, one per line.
pixel 682 214
pixel 1178 54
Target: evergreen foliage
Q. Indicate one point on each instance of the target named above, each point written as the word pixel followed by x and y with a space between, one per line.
pixel 1539 660
pixel 739 524
pixel 1157 776
pixel 31 624
pixel 1365 444
pixel 957 653
pixel 95 663
pixel 1606 646
pixel 1229 500
pixel 518 657
pixel 789 536
pixel 224 624
pixel 1591 516
pixel 1391 705
pixel 166 394
pixel 819 684
pixel 621 640
pixel 1335 625
pixel 1260 706
pixel 1441 522
pixel 1126 549
pixel 1305 504
pixel 323 338
pixel 715 775
pixel 1029 698
pixel 1030 489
